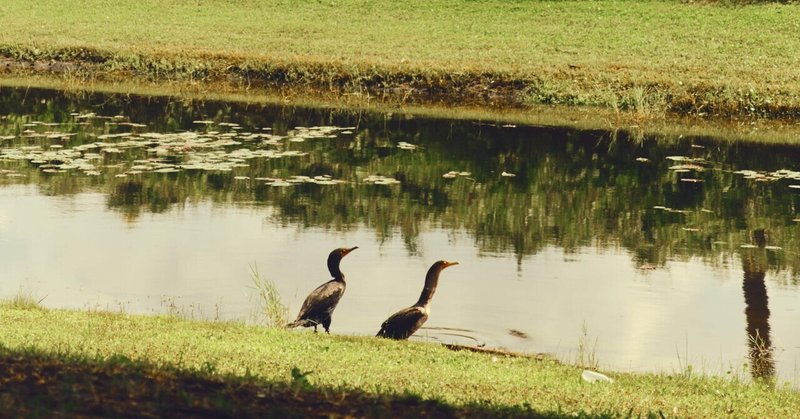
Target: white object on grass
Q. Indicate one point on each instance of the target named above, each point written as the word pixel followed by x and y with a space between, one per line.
pixel 594 377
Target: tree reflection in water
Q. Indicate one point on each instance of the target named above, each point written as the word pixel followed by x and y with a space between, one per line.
pixel 754 265
pixel 659 199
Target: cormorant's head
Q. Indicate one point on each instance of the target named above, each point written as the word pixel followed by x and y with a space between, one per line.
pixel 436 268
pixel 443 264
pixel 338 254
pixel 335 257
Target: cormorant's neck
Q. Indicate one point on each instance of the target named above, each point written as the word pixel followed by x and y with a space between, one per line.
pixel 333 268
pixel 431 280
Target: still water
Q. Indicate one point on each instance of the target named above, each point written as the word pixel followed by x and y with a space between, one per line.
pixel 652 254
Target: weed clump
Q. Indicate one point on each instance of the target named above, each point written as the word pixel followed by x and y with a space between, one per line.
pixel 270 305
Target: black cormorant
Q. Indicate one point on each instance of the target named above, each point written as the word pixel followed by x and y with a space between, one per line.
pixel 405 322
pixel 319 305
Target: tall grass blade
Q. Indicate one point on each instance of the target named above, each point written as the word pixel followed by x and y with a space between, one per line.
pixel 270 305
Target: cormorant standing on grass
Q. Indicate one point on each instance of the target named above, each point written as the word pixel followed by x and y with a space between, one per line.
pixel 319 305
pixel 405 322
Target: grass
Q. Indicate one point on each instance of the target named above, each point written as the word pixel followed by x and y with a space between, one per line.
pixel 587 350
pixel 327 368
pixel 645 58
pixel 275 313
pixel 23 301
pixel 40 384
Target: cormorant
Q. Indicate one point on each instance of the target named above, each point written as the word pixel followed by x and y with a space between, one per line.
pixel 319 305
pixel 405 322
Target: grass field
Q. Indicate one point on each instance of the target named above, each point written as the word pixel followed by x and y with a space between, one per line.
pixel 648 57
pixel 189 357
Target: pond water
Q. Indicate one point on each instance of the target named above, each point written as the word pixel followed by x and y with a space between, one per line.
pixel 650 254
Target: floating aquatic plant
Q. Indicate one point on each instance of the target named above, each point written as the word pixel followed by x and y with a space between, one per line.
pixel 453 174
pixel 381 180
pixel 225 149
pixel 406 146
pixel 769 176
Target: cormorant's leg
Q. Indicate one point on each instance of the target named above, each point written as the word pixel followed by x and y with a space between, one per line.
pixel 326 323
pixel 315 327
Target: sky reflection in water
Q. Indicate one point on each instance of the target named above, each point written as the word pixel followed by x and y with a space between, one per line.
pixel 680 256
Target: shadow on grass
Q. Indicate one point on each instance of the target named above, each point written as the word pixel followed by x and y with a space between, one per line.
pixel 40 384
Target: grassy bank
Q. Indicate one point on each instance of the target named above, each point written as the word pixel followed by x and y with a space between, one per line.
pixel 181 362
pixel 649 58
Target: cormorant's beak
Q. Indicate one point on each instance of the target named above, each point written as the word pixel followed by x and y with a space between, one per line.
pixel 346 251
pixel 448 264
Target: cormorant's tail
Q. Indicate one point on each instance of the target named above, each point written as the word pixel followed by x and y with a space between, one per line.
pixel 302 323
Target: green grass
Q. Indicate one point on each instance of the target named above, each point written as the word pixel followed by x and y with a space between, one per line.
pixel 22 301
pixel 271 308
pixel 373 367
pixel 42 384
pixel 643 57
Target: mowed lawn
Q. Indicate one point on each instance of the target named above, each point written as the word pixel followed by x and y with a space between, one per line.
pixel 573 52
pixel 193 355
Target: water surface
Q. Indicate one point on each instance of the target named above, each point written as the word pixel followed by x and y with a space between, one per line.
pixel 656 254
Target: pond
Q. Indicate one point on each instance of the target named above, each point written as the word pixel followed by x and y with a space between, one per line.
pixel 642 254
